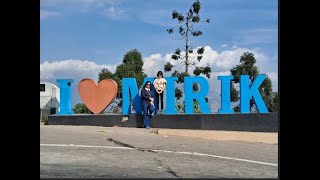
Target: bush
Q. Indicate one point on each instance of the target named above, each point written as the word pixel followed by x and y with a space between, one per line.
pixel 81 108
pixel 44 119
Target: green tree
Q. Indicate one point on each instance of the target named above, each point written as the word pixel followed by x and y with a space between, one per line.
pixel 81 108
pixel 105 74
pixel 247 67
pixel 196 108
pixel 131 67
pixel 191 56
pixel 275 102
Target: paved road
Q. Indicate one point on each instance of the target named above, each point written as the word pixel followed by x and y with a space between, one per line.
pixel 114 152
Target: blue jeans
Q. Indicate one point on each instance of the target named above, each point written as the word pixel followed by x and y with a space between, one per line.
pixel 147 107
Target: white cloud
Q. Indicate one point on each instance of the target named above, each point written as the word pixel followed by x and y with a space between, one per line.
pixel 45 14
pixel 224 45
pixel 109 8
pixel 220 63
pixel 56 2
pixel 98 1
pixel 50 2
pixel 158 18
pixel 152 64
pixel 256 36
pixel 234 46
pixel 71 69
pixel 114 12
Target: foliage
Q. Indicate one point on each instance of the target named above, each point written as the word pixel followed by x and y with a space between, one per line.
pixel 275 102
pixel 81 108
pixel 44 119
pixel 180 106
pixel 247 67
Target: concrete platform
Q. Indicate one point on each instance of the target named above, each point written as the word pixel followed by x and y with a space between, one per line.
pixel 255 122
pixel 254 137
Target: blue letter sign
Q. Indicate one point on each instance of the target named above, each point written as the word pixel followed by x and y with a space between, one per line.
pixel 199 96
pixel 170 96
pixel 130 91
pixel 130 85
pixel 247 91
pixel 65 96
pixel 225 95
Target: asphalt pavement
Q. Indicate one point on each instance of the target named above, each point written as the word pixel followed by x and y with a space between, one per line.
pixel 117 152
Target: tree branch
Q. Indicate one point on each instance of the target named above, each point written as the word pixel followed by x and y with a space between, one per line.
pixel 178 38
pixel 178 64
pixel 174 27
pixel 193 63
pixel 204 21
pixel 191 27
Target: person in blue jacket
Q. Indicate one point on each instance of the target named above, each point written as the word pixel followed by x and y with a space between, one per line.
pixel 147 104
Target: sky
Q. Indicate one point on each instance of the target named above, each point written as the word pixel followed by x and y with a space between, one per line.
pixel 80 37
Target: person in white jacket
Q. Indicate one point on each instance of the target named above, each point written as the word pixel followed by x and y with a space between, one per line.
pixel 160 85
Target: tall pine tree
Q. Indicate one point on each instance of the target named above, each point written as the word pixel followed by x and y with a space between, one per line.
pixel 189 56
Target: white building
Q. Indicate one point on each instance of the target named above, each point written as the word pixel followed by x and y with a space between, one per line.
pixel 49 98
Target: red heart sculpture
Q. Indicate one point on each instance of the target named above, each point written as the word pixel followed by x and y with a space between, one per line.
pixel 97 97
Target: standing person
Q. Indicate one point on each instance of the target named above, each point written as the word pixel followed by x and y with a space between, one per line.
pixel 147 104
pixel 160 85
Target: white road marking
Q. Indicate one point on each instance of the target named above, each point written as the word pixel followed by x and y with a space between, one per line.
pixel 166 151
pixel 71 145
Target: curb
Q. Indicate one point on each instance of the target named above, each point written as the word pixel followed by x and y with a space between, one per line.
pixel 258 137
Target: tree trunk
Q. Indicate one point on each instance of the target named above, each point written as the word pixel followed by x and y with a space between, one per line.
pixel 187 46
